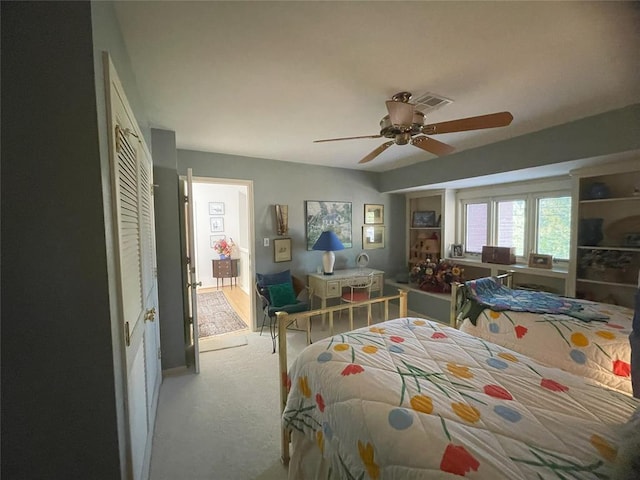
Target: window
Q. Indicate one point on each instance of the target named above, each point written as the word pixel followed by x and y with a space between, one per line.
pixel 510 225
pixel 476 231
pixel 554 227
pixel 532 217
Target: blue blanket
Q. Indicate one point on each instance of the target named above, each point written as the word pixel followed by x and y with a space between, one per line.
pixel 490 293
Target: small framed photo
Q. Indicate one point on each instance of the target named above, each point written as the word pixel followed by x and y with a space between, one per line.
pixel 282 250
pixel 423 219
pixel 537 260
pixel 373 214
pixel 217 224
pixel 372 237
pixel 457 250
pixel 214 238
pixel 216 208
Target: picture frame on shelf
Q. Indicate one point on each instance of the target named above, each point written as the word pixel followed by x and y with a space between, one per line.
pixel 372 237
pixel 373 214
pixel 538 260
pixel 457 250
pixel 282 250
pixel 423 219
pixel 216 224
pixel 216 208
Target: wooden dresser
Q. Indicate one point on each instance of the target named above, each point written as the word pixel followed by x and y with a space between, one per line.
pixel 227 268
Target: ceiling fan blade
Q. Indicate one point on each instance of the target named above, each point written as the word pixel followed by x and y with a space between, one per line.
pixel 492 120
pixel 346 138
pixel 376 152
pixel 400 113
pixel 432 146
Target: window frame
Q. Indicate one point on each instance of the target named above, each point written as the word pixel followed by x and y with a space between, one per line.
pixel 530 192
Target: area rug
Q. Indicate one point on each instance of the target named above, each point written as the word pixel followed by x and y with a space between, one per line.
pixel 216 316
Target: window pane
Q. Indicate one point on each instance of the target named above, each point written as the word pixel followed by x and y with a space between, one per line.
pixel 476 227
pixel 554 222
pixel 511 221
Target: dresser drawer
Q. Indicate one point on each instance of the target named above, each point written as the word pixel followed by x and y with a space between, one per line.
pixel 333 289
pixel 376 283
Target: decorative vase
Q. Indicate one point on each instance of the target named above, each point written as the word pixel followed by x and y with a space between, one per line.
pixel 224 257
pixel 598 190
pixel 590 231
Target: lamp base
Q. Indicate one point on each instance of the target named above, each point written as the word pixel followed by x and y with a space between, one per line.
pixel 328 259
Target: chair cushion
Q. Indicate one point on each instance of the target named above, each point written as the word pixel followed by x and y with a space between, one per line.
pixel 266 279
pixel 282 294
pixel 356 297
pixel 293 308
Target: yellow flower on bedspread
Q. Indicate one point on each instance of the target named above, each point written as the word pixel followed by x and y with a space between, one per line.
pixel 606 335
pixel 422 403
pixel 341 347
pixel 366 454
pixel 320 440
pixel 508 356
pixel 303 385
pixel 459 371
pixel 369 349
pixel 603 447
pixel 466 412
pixel 579 339
pixel 377 330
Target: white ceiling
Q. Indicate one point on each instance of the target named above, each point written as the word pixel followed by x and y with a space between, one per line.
pixel 264 79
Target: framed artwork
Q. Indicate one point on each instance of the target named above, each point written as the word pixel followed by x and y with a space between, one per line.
pixel 322 215
pixel 282 219
pixel 216 208
pixel 457 250
pixel 217 224
pixel 372 237
pixel 423 219
pixel 537 260
pixel 214 238
pixel 282 250
pixel 373 214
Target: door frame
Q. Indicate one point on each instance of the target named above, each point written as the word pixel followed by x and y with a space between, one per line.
pixel 250 231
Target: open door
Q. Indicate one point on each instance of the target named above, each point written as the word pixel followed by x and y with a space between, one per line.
pixel 190 265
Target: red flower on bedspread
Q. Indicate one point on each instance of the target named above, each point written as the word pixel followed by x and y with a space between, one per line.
pixel 553 385
pixel 622 369
pixel 521 331
pixel 352 369
pixel 320 402
pixel 458 461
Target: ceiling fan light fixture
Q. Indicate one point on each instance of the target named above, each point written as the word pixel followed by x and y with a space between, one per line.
pixel 400 114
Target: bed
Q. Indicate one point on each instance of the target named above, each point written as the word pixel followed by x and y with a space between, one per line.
pixel 411 398
pixel 587 338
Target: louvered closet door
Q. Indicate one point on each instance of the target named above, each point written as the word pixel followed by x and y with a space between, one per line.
pixel 137 285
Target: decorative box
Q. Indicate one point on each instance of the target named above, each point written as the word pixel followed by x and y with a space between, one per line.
pixel 502 255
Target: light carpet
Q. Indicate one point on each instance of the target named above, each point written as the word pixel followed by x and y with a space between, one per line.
pixel 210 344
pixel 216 316
pixel 224 423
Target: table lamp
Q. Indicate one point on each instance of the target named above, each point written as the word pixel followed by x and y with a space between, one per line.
pixel 329 242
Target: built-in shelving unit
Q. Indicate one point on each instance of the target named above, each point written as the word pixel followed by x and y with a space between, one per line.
pixel 605 265
pixel 428 241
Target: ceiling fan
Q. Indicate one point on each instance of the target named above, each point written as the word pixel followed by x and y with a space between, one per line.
pixel 404 124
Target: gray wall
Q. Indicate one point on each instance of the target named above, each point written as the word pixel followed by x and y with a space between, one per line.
pixel 291 184
pixel 62 401
pixel 168 249
pixel 59 413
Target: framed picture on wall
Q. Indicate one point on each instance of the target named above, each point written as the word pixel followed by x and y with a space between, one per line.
pixel 373 214
pixel 217 224
pixel 216 208
pixel 323 215
pixel 423 219
pixel 282 250
pixel 372 237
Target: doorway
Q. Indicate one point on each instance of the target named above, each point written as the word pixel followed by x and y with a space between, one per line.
pixel 223 215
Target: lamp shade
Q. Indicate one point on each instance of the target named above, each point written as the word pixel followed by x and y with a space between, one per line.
pixel 328 241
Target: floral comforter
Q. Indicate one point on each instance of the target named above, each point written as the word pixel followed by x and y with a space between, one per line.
pixel 598 350
pixel 412 399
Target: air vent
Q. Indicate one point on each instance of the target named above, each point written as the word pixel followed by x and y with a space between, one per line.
pixel 429 102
